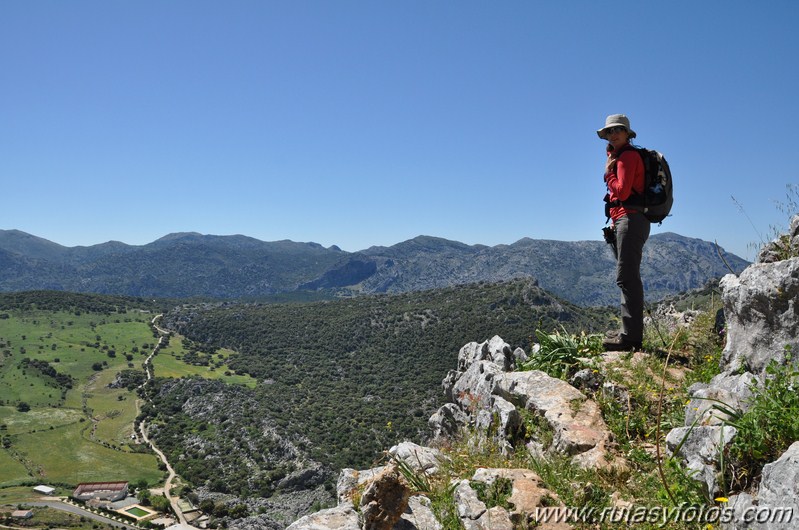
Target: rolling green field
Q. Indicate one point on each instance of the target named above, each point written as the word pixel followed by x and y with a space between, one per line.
pixel 65 455
pixel 170 363
pixel 59 420
pixel 12 470
pixel 62 418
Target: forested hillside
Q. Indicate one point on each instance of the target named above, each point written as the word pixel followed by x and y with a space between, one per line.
pixel 76 302
pixel 343 379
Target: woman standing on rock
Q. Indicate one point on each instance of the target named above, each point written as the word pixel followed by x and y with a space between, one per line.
pixel 624 176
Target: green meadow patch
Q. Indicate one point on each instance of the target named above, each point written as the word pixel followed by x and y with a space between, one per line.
pixel 174 361
pixel 66 455
pixel 113 409
pixel 24 422
pixel 61 418
pixel 44 517
pixel 11 470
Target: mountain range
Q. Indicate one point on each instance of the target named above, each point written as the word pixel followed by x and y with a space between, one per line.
pixel 183 265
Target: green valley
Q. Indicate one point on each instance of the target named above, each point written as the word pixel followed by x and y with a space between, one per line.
pixel 263 402
pixel 65 415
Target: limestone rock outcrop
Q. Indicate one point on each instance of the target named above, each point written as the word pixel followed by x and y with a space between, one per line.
pixel 524 497
pixel 761 309
pixel 489 395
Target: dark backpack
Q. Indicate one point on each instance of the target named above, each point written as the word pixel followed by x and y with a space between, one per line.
pixel 656 201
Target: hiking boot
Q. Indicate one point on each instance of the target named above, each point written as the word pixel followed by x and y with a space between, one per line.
pixel 619 343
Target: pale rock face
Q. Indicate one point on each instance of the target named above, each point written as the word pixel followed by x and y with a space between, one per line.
pixel 489 395
pixel 778 493
pixel 701 448
pixel 471 353
pixel 349 480
pixel 576 420
pixel 495 350
pixel 535 390
pixel 420 459
pixel 470 507
pixel 733 390
pixel 342 517
pixel 472 391
pixel 418 516
pixel 527 495
pixel 447 421
pixel 761 308
pixel 762 311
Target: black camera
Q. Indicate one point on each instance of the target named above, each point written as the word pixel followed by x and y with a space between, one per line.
pixel 610 235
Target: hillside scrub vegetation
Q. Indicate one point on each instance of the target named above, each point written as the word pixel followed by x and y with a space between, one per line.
pixel 344 379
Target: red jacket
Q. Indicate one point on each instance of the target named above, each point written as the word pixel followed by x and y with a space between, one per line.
pixel 623 178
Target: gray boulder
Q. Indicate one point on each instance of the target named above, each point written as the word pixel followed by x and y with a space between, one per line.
pixel 420 459
pixel 761 308
pixel 490 396
pixel 495 350
pixel 701 448
pixel 527 496
pixel 472 390
pixel 342 517
pixel 349 480
pixel 762 312
pixel 447 421
pixel 418 516
pixel 777 503
pixel 576 421
pixel 734 391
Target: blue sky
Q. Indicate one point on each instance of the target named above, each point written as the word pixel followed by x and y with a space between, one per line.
pixel 362 123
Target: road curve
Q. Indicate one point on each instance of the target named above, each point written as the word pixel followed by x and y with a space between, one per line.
pixel 64 507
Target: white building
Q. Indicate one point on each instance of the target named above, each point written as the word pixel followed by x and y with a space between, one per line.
pixel 44 490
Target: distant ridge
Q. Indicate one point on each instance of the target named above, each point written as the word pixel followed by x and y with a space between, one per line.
pixel 189 264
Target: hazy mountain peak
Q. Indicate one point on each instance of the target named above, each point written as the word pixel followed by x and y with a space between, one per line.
pixel 19 242
pixel 175 236
pixel 186 264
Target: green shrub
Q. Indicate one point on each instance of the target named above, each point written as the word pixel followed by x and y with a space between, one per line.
pixel 770 425
pixel 562 354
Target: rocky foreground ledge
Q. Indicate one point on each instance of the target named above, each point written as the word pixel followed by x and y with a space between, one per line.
pixel 491 398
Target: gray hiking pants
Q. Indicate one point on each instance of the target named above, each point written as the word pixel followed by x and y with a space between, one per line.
pixel 632 231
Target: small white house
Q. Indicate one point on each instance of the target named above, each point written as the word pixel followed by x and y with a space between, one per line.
pixel 44 490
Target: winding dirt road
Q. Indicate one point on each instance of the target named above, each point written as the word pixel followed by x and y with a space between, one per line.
pixel 148 368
